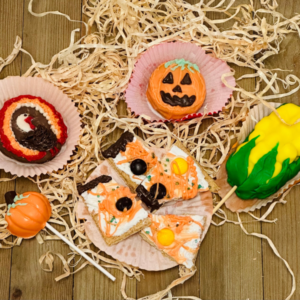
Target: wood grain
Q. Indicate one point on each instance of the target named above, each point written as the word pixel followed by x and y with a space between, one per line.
pixel 230 265
pixel 42 37
pixel 285 233
pixel 10 27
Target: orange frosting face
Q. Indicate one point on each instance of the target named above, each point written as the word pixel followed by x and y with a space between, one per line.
pixel 28 214
pixel 176 89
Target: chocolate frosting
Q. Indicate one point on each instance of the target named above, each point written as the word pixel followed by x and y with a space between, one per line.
pixel 177 89
pixel 38 120
pixel 186 80
pixel 169 78
pixel 177 101
pixel 146 197
pixel 93 183
pixel 41 139
pixel 119 145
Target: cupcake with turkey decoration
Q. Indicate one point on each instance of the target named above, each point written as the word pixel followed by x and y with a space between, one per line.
pixel 39 126
pixel 178 81
pixel 31 130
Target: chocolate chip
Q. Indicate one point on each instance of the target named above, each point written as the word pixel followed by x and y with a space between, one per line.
pixel 138 167
pixel 123 203
pixel 158 192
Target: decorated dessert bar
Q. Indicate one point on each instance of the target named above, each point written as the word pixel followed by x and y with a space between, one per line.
pixel 176 236
pixel 132 158
pixel 177 176
pixel 116 211
pixel 117 219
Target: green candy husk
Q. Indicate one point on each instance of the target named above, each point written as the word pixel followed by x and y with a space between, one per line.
pixel 259 184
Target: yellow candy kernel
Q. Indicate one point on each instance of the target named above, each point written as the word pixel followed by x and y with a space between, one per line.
pixel 273 131
pixel 179 166
pixel 165 237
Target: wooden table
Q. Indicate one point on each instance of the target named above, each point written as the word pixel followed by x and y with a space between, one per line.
pixel 230 266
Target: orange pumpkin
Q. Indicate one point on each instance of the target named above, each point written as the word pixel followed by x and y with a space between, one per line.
pixel 176 89
pixel 27 214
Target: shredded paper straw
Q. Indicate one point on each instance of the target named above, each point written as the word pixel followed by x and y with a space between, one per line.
pixel 94 71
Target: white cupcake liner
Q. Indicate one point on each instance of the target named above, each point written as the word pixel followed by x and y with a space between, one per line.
pixel 15 86
pixel 135 251
pixel 212 69
pixel 234 203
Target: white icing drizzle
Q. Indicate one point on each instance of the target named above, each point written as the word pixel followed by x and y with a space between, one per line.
pixel 22 124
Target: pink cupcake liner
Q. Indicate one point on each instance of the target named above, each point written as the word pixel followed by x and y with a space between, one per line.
pixel 212 69
pixel 12 87
pixel 134 250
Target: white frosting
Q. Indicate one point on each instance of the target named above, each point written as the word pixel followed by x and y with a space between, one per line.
pixel 123 227
pixel 22 124
pixel 92 201
pixel 193 244
pixel 125 167
pixel 166 163
pixel 180 153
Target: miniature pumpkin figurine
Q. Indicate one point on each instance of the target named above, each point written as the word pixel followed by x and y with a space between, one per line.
pixel 27 213
pixel 176 89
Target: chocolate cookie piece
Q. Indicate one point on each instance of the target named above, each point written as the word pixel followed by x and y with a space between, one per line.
pixel 93 183
pixel 146 197
pixel 119 145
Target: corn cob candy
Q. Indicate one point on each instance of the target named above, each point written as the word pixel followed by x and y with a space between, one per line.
pixel 269 157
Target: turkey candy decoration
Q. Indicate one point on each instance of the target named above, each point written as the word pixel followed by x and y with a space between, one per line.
pixel 269 157
pixel 31 130
pixel 176 89
pixel 176 176
pixel 178 237
pixel 114 208
pixel 27 213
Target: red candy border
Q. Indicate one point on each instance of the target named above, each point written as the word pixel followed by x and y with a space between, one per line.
pixel 6 142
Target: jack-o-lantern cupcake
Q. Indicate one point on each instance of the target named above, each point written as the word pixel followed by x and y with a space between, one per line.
pixel 178 81
pixel 176 88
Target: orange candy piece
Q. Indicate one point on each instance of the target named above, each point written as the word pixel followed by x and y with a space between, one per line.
pixel 29 215
pixel 177 78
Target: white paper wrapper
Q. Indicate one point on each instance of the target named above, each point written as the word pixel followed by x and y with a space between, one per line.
pixel 12 87
pixel 234 203
pixel 212 69
pixel 134 250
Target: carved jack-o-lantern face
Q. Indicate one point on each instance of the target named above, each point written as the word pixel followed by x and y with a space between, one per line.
pixel 176 89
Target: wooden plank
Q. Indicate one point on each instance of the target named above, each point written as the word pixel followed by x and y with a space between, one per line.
pixel 229 258
pixel 43 37
pixel 10 27
pixel 100 287
pixel 277 281
pixel 5 255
